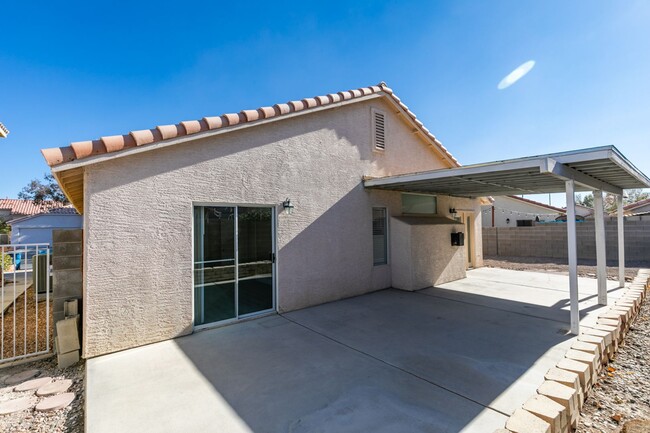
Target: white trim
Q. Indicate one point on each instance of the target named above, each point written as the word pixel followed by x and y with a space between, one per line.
pixel 573 257
pixel 620 222
pixel 601 256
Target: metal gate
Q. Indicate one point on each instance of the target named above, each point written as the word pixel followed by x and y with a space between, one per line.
pixel 26 285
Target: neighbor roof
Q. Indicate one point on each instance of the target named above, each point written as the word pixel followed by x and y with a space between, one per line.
pixel 637 204
pixel 25 207
pixel 65 210
pixel 537 203
pixel 67 162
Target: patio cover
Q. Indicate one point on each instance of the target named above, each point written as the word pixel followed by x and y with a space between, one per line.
pixel 595 169
pixel 599 168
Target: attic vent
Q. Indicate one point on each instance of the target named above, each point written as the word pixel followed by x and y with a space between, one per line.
pixel 379 129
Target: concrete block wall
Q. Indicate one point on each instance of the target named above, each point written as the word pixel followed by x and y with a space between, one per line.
pixel 550 240
pixel 67 279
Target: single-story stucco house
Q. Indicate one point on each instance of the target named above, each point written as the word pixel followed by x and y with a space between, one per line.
pixel 37 228
pixel 514 211
pixel 637 208
pixel 225 218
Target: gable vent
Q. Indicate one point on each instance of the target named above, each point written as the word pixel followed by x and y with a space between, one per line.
pixel 379 130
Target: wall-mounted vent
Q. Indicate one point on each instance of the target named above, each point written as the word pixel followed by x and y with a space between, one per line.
pixel 379 130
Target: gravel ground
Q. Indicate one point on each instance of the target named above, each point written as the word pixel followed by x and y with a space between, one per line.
pixel 30 315
pixel 69 419
pixel 586 268
pixel 623 390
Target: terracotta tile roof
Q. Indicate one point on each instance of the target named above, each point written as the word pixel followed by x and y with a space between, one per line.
pixel 115 143
pixel 65 210
pixel 637 204
pixel 25 207
pixel 547 206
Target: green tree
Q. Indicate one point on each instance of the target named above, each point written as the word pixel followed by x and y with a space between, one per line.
pixel 634 195
pixel 45 191
pixel 4 227
pixel 587 200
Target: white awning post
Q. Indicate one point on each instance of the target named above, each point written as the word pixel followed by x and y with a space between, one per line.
pixel 573 256
pixel 621 240
pixel 601 255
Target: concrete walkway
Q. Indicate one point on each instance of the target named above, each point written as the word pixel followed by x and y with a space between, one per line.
pixel 457 358
pixel 14 286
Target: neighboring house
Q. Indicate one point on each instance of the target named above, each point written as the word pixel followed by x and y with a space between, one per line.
pixel 513 211
pixel 211 221
pixel 37 229
pixel 639 207
pixel 12 208
pixel 583 211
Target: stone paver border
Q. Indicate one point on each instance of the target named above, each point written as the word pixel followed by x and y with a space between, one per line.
pixel 569 383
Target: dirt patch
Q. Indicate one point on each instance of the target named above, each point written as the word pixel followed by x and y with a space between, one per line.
pixel 23 311
pixel 586 268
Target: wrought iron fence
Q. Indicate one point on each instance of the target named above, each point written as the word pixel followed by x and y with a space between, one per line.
pixel 25 282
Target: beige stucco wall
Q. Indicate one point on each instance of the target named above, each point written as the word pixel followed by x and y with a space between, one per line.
pixel 138 217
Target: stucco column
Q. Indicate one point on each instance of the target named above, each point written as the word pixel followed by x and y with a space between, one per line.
pixel 573 256
pixel 601 257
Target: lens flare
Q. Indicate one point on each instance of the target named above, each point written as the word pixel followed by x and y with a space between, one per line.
pixel 516 75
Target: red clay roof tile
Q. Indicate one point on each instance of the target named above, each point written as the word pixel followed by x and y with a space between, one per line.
pixel 20 207
pixel 116 143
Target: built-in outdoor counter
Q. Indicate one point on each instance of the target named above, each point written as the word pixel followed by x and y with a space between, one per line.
pixel 422 254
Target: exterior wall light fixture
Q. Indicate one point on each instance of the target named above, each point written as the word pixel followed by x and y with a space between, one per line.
pixel 288 207
pixel 452 211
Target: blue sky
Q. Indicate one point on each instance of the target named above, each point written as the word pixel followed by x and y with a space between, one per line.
pixel 75 71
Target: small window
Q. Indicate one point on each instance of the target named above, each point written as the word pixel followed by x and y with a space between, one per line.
pixel 524 223
pixel 379 236
pixel 378 130
pixel 419 204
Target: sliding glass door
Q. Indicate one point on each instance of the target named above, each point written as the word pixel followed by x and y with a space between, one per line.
pixel 233 262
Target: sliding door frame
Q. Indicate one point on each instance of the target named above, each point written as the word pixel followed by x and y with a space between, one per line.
pixel 274 265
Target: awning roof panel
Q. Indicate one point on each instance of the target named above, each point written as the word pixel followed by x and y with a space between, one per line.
pixel 602 168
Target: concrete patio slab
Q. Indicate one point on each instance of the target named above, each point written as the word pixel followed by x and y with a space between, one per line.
pixel 458 358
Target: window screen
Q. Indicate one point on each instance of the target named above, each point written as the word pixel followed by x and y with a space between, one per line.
pixel 416 204
pixel 379 238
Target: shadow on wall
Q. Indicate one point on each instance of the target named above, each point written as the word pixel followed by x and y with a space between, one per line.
pixel 330 257
pixel 411 361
